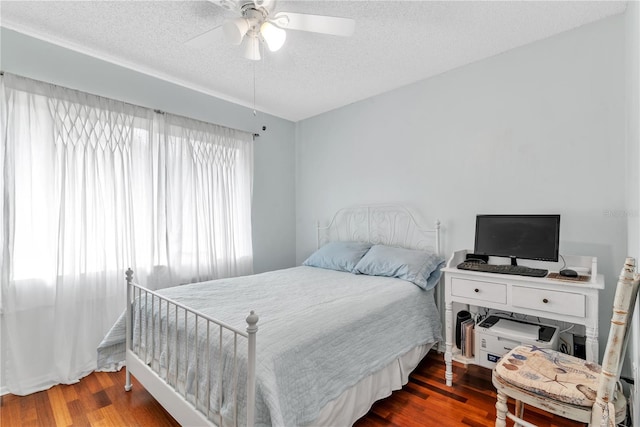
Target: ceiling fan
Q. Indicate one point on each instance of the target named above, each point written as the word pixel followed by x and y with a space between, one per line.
pixel 257 23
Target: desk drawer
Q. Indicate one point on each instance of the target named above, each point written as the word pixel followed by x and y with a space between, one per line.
pixel 552 301
pixel 481 291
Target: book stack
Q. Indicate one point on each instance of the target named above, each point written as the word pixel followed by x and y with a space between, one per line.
pixel 466 339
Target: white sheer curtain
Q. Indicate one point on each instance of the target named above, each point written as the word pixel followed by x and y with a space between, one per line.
pixel 208 199
pixel 90 187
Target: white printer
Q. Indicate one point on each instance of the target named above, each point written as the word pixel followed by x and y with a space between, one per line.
pixel 496 335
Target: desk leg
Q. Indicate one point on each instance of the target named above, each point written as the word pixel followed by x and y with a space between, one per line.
pixel 448 354
pixel 591 343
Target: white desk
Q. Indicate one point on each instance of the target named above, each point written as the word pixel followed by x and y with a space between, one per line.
pixel 566 301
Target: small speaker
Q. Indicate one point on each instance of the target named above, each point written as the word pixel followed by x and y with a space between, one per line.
pixel 477 258
pixel 462 316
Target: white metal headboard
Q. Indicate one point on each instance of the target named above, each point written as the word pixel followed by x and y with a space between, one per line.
pixel 380 224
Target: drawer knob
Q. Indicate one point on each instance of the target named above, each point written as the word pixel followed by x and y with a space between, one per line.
pixel 545 301
pixel 476 290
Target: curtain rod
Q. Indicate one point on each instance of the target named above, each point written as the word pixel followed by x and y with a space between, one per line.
pixel 255 135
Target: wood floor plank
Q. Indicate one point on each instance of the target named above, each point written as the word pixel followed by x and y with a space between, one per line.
pixel 28 412
pixel 92 383
pixel 69 392
pixel 9 410
pixel 59 405
pixel 44 411
pixel 107 416
pixel 96 418
pixel 78 414
pixel 104 378
pixel 99 400
pixel 86 395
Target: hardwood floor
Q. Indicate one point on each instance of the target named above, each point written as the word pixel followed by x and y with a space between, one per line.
pixel 427 401
pixel 100 400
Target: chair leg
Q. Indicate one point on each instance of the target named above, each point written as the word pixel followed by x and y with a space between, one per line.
pixel 519 411
pixel 501 410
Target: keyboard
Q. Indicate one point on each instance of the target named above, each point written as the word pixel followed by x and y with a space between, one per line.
pixel 503 269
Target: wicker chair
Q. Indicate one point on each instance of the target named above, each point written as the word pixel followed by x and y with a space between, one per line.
pixel 565 385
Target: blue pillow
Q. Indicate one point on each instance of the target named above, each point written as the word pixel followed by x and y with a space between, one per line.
pixel 341 256
pixel 419 267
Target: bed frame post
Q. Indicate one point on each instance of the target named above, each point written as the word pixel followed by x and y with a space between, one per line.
pixel 129 275
pixel 252 328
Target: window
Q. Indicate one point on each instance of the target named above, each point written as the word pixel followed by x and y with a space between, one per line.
pixel 91 187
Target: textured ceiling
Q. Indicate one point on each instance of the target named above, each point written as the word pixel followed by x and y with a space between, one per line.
pixel 395 43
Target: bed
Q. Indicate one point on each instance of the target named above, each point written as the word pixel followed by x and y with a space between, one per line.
pixel 335 334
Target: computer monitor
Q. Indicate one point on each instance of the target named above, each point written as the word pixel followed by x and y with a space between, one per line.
pixel 518 236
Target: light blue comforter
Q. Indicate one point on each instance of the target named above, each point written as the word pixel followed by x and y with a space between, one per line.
pixel 320 332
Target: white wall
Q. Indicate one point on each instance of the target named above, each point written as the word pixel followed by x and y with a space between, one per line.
pixel 632 56
pixel 539 129
pixel 273 192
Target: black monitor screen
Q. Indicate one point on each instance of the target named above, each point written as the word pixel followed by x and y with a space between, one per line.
pixel 518 236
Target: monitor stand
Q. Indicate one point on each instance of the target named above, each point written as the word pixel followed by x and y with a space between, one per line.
pixel 514 261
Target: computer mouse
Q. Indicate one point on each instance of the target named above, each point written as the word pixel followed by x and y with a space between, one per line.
pixel 568 273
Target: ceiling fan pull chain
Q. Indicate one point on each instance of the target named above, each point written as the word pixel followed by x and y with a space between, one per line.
pixel 254 88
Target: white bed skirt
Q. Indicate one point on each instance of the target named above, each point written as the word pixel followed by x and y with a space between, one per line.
pixel 356 401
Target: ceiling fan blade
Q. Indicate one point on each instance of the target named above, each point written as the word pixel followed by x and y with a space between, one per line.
pixel 205 39
pixel 315 23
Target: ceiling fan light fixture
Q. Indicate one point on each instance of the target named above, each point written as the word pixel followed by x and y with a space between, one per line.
pixel 273 36
pixel 259 24
pixel 235 29
pixel 252 48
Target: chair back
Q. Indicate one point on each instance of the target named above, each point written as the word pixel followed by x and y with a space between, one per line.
pixel 623 306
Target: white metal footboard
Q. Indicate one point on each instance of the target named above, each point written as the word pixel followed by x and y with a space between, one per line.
pixel 167 333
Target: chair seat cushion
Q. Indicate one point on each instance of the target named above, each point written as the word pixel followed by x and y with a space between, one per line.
pixel 551 374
